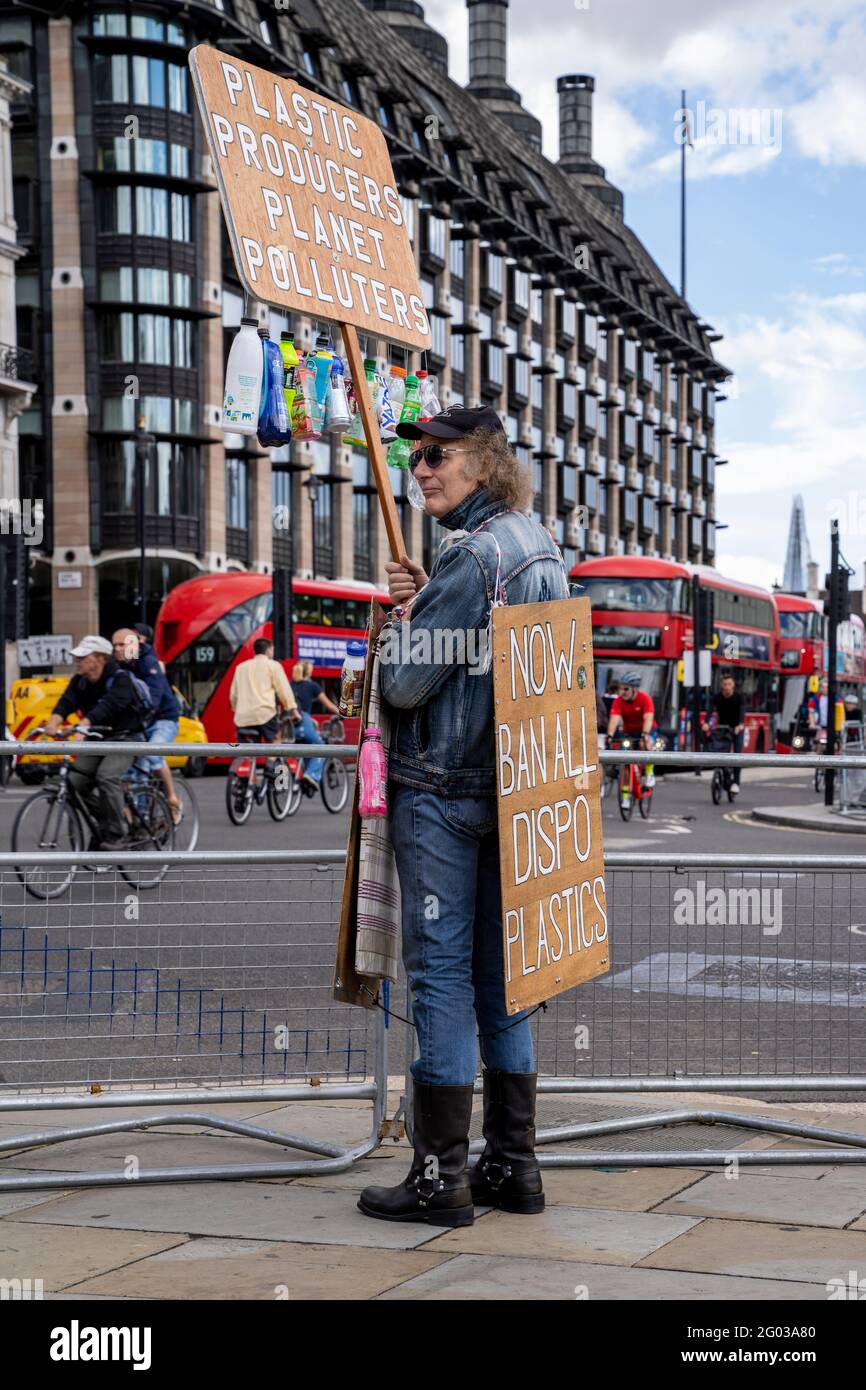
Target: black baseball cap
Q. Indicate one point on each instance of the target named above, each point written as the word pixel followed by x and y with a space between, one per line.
pixel 453 423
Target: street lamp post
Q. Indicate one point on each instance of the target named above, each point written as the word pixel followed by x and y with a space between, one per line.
pixel 144 442
pixel 312 484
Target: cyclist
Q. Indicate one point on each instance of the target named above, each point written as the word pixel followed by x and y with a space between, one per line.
pixel 727 707
pixel 105 695
pixel 633 711
pixel 135 655
pixel 308 693
pixel 818 710
pixel 259 683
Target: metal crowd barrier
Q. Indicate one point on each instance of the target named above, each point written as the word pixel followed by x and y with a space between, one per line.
pixel 212 989
pixel 215 988
pixel 760 992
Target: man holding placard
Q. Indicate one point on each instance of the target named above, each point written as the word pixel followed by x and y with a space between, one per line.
pixel 436 678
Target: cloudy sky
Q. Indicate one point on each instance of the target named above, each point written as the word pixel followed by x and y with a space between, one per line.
pixel 777 229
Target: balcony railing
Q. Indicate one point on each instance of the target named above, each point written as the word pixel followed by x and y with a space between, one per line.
pixel 17 364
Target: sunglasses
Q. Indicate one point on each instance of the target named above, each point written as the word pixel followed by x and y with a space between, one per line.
pixel 432 454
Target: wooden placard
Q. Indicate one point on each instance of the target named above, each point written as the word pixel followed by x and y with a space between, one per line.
pixel 310 200
pixel 554 907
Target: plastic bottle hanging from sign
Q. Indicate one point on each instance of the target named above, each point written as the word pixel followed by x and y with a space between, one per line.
pixel 243 384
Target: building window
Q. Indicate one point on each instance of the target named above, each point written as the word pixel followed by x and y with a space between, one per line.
pixel 537 304
pixel 408 206
pixel 147 338
pixel 157 213
pixel 457 257
pixel 170 479
pixel 237 494
pixel 162 414
pixel 458 352
pixel 144 156
pixel 119 78
pixel 491 278
pixel 438 335
pixel 310 59
pixel 113 24
pixel 386 115
pixel 151 286
pixel 433 237
pixel 519 290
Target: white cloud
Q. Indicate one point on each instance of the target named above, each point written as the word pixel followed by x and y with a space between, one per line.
pixel 749 569
pixel 733 53
pixel 799 425
pixel 829 127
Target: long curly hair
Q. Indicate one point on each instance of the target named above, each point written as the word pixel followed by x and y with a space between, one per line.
pixel 493 463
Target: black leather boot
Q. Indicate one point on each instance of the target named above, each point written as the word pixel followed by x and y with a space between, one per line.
pixel 436 1188
pixel 507 1174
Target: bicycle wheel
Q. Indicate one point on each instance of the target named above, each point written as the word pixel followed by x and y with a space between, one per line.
pixel 44 823
pixel 626 800
pixel 239 792
pixel 716 786
pixel 280 790
pixel 729 785
pixel 186 830
pixel 152 829
pixel 645 804
pixel 819 780
pixel 335 785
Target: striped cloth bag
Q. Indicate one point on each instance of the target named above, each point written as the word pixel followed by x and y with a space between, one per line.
pixel 377 945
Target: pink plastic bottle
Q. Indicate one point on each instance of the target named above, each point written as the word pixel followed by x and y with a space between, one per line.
pixel 372 775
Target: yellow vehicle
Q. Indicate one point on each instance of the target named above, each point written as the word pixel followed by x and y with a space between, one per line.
pixel 31 702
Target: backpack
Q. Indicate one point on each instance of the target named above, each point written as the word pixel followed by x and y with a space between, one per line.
pixel 143 697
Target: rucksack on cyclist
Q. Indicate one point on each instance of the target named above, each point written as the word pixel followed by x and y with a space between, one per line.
pixel 143 698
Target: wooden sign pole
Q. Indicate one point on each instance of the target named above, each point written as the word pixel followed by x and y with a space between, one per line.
pixel 374 443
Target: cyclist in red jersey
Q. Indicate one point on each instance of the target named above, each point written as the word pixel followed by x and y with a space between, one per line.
pixel 633 711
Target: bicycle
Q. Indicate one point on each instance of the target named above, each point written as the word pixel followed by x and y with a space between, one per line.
pixel 334 784
pixel 633 786
pixel 724 778
pixel 820 747
pixel 244 789
pixel 55 817
pixel 186 830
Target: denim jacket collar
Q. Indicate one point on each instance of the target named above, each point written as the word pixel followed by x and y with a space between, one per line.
pixel 475 509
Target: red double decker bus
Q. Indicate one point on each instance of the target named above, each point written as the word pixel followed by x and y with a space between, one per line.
pixel 642 618
pixel 208 624
pixel 801 663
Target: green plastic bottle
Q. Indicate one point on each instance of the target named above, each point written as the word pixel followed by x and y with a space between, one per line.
pixel 355 434
pixel 290 362
pixel 398 454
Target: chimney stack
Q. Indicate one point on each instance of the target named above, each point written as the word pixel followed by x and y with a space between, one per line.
pixel 488 43
pixel 575 118
pixel 406 18
pixel 575 140
pixel 488 68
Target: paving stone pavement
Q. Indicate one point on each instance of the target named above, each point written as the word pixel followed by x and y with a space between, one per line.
pixel 769 1233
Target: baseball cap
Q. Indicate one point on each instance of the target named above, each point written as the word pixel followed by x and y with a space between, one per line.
pixel 143 630
pixel 453 423
pixel 90 645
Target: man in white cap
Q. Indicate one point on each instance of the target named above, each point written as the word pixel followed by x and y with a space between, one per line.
pixel 106 697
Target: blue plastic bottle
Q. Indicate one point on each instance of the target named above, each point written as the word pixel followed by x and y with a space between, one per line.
pixel 274 427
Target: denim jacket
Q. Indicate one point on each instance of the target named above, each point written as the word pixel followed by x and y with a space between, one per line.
pixel 442 704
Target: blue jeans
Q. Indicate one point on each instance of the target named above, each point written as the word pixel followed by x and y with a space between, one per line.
pixel 160 731
pixel 447 855
pixel 308 732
